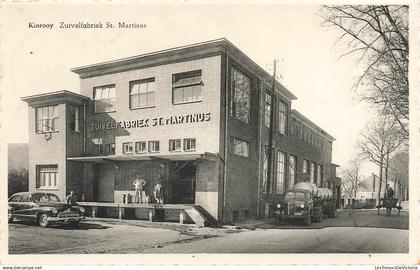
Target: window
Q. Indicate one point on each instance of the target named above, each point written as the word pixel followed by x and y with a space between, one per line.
pixel 305 166
pixel 240 96
pixel 265 169
pixel 153 146
pixel 292 171
pixel 127 148
pixel 240 147
pixel 281 171
pixel 189 144
pixel 104 98
pixel 312 173
pixel 142 93
pixel 26 198
pixel 15 198
pixel 47 176
pixel 267 110
pixel 46 119
pixel 110 149
pixel 74 118
pixel 282 117
pixel 186 87
pixel 319 174
pixel 141 147
pixel 174 145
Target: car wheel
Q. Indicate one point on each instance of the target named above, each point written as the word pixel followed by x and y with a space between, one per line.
pixel 43 220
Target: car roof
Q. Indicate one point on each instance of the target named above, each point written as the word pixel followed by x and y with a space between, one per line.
pixel 31 193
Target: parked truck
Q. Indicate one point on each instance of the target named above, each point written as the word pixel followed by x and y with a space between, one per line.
pixel 305 201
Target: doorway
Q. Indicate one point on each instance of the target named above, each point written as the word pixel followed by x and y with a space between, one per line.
pixel 182 182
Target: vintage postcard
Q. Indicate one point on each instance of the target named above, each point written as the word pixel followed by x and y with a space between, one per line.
pixel 240 132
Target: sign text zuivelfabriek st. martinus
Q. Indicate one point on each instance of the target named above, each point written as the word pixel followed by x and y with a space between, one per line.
pixel 148 122
pixel 85 25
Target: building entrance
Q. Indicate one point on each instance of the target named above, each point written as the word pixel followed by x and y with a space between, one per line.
pixel 182 182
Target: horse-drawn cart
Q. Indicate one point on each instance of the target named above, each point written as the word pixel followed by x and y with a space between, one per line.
pixel 388 204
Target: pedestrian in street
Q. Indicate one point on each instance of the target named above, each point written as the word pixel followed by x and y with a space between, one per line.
pixel 71 198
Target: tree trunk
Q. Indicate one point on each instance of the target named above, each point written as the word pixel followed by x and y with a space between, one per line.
pixel 386 171
pixel 381 164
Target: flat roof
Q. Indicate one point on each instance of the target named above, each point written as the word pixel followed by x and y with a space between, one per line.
pixel 211 47
pixel 53 96
pixel 311 124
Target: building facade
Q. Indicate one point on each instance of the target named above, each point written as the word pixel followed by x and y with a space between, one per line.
pixel 196 118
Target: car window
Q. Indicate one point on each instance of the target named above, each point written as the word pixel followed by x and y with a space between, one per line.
pixel 53 198
pixel 290 195
pixel 15 198
pixel 40 198
pixel 299 195
pixel 26 198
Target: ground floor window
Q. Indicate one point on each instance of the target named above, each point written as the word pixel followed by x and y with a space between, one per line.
pixel 265 169
pixel 47 176
pixel 154 146
pixel 319 174
pixel 292 171
pixel 174 145
pixel 189 144
pixel 312 173
pixel 281 170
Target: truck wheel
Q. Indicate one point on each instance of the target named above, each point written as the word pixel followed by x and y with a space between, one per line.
pixel 42 220
pixel 308 220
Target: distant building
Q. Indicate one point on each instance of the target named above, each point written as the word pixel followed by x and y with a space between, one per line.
pixel 198 116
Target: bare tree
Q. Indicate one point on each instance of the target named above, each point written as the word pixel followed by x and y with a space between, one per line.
pixel 399 171
pixel 378 37
pixel 352 178
pixel 380 140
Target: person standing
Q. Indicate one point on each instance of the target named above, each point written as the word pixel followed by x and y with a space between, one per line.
pixel 72 198
pixel 139 184
pixel 157 190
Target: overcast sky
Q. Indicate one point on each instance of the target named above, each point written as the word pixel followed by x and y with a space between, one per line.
pixel 39 60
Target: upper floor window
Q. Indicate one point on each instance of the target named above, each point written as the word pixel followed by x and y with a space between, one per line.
pixel 186 87
pixel 142 93
pixel 174 145
pixel 104 98
pixel 240 96
pixel 46 119
pixel 74 118
pixel 189 144
pixel 282 117
pixel 240 147
pixel 267 110
pixel 154 146
pixel 47 176
pixel 141 147
pixel 127 148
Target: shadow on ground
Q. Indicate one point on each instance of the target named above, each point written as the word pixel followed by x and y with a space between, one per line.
pixel 347 218
pixel 83 226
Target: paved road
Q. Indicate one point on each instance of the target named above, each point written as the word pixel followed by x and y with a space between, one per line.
pixel 94 237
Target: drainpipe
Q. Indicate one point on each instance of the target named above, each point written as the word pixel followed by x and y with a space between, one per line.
pixel 270 141
pixel 84 126
pixel 259 143
pixel 225 150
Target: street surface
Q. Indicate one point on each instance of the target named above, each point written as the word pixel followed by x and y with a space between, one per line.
pixel 360 232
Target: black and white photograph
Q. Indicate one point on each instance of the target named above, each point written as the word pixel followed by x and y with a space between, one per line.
pixel 201 129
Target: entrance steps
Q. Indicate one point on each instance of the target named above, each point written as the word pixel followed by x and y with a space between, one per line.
pixel 200 216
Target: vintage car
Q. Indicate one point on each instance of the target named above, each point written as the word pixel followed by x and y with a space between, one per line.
pixel 43 208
